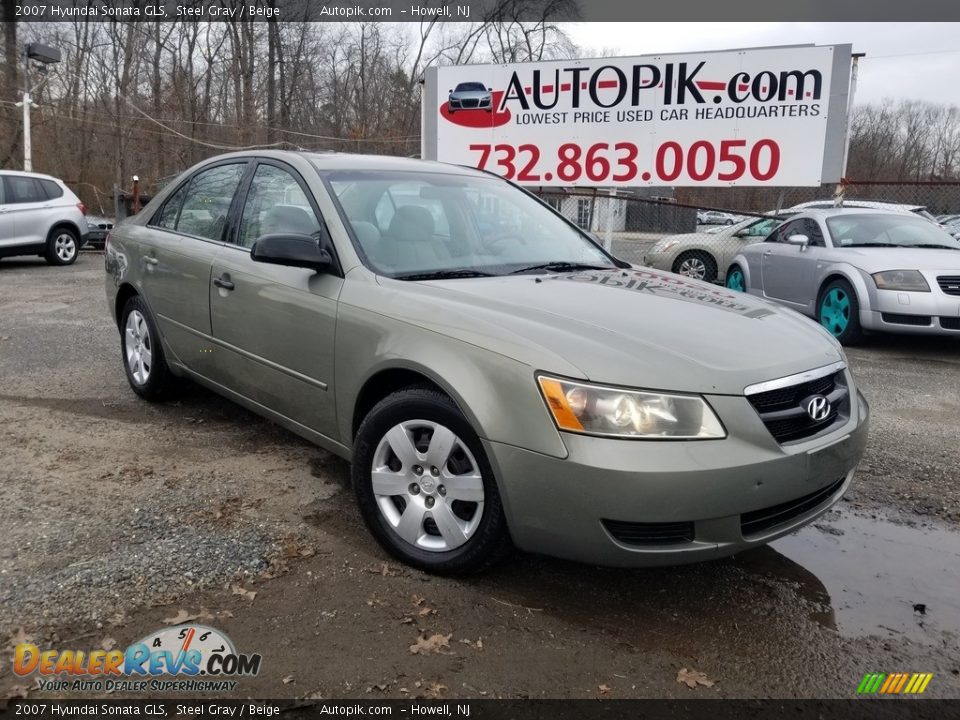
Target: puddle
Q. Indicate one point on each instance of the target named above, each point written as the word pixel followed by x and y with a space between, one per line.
pixel 881 578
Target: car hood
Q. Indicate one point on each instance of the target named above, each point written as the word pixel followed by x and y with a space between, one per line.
pixel 640 328
pixel 876 259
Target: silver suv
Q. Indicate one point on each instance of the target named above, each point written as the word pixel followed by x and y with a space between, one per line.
pixel 39 215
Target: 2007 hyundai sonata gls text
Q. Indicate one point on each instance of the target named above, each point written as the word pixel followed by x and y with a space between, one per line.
pixel 493 375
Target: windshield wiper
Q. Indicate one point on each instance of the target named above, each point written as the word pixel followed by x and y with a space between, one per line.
pixel 936 247
pixel 444 274
pixel 562 267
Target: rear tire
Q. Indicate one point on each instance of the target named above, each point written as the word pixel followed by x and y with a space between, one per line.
pixel 63 246
pixel 142 352
pixel 425 487
pixel 696 264
pixel 838 310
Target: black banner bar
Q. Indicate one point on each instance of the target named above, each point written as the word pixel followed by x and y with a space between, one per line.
pixel 857 709
pixel 481 10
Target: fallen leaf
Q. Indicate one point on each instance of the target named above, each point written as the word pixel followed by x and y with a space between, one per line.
pixel 433 644
pixel 435 689
pixel 183 616
pixel 426 611
pixel 108 644
pixel 406 620
pixel 287 680
pixel 604 689
pixel 225 613
pixel 417 600
pixel 692 678
pixel 243 592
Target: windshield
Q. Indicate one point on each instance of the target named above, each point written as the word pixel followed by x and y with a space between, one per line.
pixel 888 230
pixel 413 223
pixel 468 86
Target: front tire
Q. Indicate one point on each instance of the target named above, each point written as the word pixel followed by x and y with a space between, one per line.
pixel 696 264
pixel 143 359
pixel 838 310
pixel 63 246
pixel 735 279
pixel 425 487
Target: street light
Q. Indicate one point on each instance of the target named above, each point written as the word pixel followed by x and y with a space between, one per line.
pixel 42 54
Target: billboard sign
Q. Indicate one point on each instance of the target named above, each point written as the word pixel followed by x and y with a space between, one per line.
pixel 766 116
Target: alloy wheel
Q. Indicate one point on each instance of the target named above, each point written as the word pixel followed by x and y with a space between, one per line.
pixel 835 311
pixel 65 247
pixel 428 485
pixel 138 346
pixel 693 267
pixel 735 280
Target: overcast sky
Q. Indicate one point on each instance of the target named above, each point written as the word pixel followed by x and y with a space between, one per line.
pixel 904 60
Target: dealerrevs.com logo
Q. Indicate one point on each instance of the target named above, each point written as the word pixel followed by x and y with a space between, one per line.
pixel 184 658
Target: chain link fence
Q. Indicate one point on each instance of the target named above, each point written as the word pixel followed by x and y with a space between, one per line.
pixel 698 231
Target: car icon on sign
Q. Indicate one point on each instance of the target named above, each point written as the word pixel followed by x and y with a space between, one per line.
pixel 470 96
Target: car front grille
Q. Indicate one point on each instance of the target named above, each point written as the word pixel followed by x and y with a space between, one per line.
pixel 766 519
pixel 950 323
pixel 635 533
pixel 898 319
pixel 783 410
pixel 950 284
pixel 470 103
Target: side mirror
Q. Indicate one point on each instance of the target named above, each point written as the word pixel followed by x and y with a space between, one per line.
pixel 293 250
pixel 489 89
pixel 801 240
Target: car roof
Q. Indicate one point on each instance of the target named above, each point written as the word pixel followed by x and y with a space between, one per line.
pixel 855 203
pixel 22 173
pixel 833 212
pixel 324 161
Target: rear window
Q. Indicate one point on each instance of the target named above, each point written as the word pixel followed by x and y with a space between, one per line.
pixel 52 190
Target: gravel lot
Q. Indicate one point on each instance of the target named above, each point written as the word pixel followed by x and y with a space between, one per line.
pixel 119 515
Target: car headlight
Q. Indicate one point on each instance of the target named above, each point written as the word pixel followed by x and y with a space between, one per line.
pixel 906 280
pixel 664 245
pixel 595 410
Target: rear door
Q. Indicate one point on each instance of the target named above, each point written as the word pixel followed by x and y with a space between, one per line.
pixel 274 325
pixel 176 254
pixel 27 207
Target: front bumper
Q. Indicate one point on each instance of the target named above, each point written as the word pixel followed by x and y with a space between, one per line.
pixel 925 313
pixel 567 507
pixel 484 103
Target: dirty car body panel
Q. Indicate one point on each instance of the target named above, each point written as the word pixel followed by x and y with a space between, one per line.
pixel 306 349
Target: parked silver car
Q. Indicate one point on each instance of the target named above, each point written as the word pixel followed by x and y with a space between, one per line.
pixel 490 382
pixel 470 96
pixel 39 215
pixel 856 270
pixel 706 255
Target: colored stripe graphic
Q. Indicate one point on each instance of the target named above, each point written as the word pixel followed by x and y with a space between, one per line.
pixel 894 683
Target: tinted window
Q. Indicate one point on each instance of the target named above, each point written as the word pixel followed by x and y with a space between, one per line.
pixel 167 217
pixel 786 230
pixel 51 189
pixel 23 190
pixel 275 204
pixel 811 228
pixel 209 194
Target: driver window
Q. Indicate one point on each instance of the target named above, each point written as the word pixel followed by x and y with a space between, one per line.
pixel 275 204
pixel 207 201
pixel 811 228
pixel 781 234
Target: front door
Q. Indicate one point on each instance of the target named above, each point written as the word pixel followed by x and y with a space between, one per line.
pixel 789 270
pixel 274 325
pixel 27 209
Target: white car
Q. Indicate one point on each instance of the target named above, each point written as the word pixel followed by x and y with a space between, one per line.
pixel 40 215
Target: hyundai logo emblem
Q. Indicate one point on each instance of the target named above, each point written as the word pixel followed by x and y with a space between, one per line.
pixel 818 408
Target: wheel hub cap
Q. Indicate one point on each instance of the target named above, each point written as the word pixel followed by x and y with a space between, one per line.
pixel 138 347
pixel 427 485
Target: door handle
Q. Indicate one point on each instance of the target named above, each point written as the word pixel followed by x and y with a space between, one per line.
pixel 224 282
pixel 149 260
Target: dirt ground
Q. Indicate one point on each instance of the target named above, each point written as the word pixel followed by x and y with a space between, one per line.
pixel 119 517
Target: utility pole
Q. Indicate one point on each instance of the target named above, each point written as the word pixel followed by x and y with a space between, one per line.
pixel 42 54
